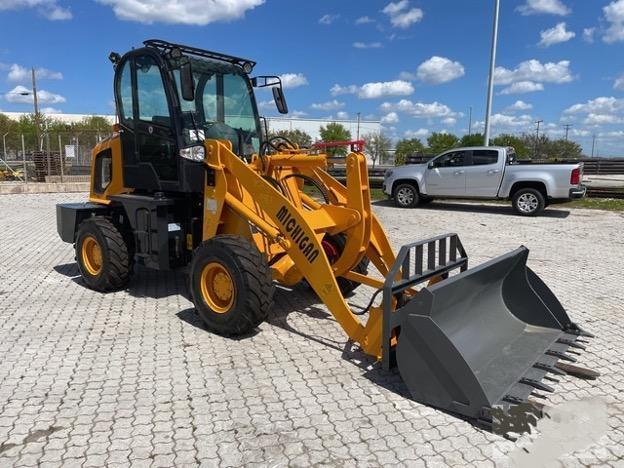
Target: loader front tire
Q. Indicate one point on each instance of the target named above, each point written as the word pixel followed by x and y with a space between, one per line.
pixel 102 255
pixel 231 285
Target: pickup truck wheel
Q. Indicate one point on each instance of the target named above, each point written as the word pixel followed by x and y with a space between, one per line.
pixel 406 196
pixel 528 202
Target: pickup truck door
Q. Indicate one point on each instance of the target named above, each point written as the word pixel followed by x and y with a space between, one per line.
pixel 483 176
pixel 446 175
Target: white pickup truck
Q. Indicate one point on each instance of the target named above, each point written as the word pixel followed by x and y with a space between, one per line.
pixel 490 173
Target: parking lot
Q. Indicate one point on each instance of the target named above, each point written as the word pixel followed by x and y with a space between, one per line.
pixel 88 379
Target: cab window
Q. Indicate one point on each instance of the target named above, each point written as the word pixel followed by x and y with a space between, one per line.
pixel 484 157
pixel 453 159
pixel 153 105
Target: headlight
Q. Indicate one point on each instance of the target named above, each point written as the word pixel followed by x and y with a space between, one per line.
pixel 388 173
pixel 193 153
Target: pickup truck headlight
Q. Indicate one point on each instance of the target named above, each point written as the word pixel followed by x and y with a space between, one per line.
pixel 388 173
pixel 193 153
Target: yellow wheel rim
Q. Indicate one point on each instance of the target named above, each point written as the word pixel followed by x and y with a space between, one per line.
pixel 217 287
pixel 91 255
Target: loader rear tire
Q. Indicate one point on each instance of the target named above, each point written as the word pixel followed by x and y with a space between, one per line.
pixel 102 255
pixel 231 285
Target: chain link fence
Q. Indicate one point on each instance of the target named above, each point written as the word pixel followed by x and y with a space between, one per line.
pixel 48 157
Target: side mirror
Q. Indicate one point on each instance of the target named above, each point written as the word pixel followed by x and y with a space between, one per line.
pixel 430 165
pixel 280 100
pixel 187 84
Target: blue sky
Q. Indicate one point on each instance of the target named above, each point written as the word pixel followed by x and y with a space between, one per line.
pixel 418 65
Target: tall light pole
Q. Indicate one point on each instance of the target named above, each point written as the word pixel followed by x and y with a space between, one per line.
pixel 470 121
pixel 488 110
pixel 358 126
pixel 567 130
pixel 34 92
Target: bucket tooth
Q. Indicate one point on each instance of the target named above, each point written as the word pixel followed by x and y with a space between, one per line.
pixel 514 399
pixel 549 368
pixel 537 384
pixel 538 395
pixel 551 379
pixel 560 355
pixel 576 371
pixel 571 343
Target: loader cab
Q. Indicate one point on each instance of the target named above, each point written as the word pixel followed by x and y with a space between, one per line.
pixel 163 122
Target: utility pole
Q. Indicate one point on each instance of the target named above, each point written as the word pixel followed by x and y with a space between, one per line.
pixel 538 122
pixel 593 144
pixel 567 129
pixel 358 126
pixel 34 86
pixel 488 111
pixel 470 121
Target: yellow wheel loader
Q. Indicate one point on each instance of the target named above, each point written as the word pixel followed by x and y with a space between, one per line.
pixel 190 180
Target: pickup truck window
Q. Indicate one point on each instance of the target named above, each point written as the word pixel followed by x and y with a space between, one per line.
pixel 484 157
pixel 454 159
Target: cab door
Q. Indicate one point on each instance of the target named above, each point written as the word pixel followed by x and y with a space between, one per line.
pixel 483 176
pixel 446 175
pixel 147 132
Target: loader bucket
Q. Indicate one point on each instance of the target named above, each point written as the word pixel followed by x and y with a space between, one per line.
pixel 483 339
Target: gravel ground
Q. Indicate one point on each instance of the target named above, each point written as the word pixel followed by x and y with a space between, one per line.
pixel 131 378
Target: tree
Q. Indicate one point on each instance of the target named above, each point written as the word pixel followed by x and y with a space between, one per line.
pixel 440 142
pixel 476 139
pixel 563 149
pixel 335 132
pixel 376 144
pixel 297 136
pixel 518 143
pixel 407 147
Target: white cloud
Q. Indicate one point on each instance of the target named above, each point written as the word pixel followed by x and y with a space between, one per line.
pixel 364 20
pixel 392 9
pixel 550 7
pixel 337 90
pixel 329 105
pixel 438 70
pixel 599 111
pixel 534 70
pixel 418 109
pixel 43 96
pixel 600 105
pixel 50 110
pixel 269 104
pixel 375 90
pixel 519 106
pixel 522 87
pixel 588 34
pixel 556 35
pixel 192 12
pixel 342 115
pixel 367 45
pixel 614 16
pixel 297 114
pixel 48 8
pixel 401 15
pixel 387 88
pixel 602 119
pixel 450 121
pixel 390 118
pixel 19 74
pixel 293 80
pixel 328 19
pixel 618 84
pixel 420 133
